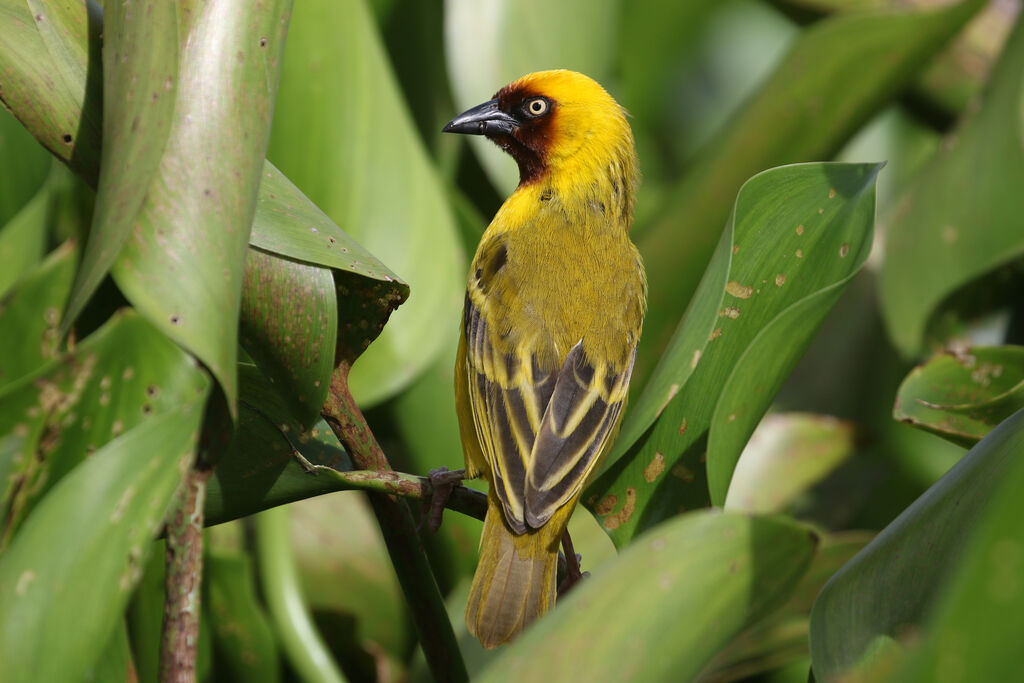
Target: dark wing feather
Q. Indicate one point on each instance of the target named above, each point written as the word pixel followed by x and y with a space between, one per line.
pixel 582 412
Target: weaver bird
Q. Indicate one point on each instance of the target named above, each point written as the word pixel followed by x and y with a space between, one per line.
pixel 555 302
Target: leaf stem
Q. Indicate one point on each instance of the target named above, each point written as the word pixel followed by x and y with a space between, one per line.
pixel 400 534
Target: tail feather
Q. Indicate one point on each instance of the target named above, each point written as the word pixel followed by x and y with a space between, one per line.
pixel 514 582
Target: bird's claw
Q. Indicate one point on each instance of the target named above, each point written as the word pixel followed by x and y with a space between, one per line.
pixel 442 481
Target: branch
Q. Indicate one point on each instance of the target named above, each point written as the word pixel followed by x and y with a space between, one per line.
pixel 396 523
pixel 180 638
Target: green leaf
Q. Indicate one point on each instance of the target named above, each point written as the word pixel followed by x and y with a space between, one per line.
pixel 973 631
pixel 102 516
pixel 962 396
pixel 23 166
pixel 797 236
pixel 838 73
pixel 124 375
pixel 46 51
pixel 890 587
pixel 721 570
pixel 491 43
pixel 342 132
pixel 182 265
pixel 940 237
pixel 289 326
pixel 787 455
pixel 33 309
pixel 242 636
pixel 23 239
pixel 262 469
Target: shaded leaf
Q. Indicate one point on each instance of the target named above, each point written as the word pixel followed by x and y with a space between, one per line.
pixel 242 637
pixel 962 396
pixel 787 454
pixel 797 236
pixel 721 570
pixel 940 237
pixel 489 44
pixel 888 589
pixel 289 326
pixel 103 516
pixel 838 73
pixel 182 265
pixel 23 166
pixel 972 633
pixel 23 239
pixel 366 167
pixel 32 309
pixel 125 375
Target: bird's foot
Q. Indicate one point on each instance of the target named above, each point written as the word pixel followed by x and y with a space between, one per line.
pixel 442 481
pixel 573 574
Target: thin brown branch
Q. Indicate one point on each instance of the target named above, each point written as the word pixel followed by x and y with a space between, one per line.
pixel 400 535
pixel 180 637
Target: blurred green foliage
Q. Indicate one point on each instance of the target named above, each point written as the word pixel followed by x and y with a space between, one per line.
pixel 172 262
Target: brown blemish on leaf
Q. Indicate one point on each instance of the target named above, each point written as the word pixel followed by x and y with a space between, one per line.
pixel 844 249
pixel 735 248
pixel 821 211
pixel 715 334
pixel 739 291
pixel 623 515
pixel 681 471
pixel 122 504
pixel 780 279
pixel 799 253
pixel 27 577
pixel 655 467
pixel 682 427
pixel 949 234
pixel 729 312
pixel 800 229
pixel 606 505
pixel 832 193
pixel 672 391
pixel 696 358
pixel 732 417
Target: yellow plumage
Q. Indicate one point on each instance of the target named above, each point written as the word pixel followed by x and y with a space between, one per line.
pixel 555 301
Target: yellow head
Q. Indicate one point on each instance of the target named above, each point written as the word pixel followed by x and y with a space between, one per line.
pixel 561 127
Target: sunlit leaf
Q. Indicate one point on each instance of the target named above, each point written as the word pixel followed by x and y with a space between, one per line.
pixel 961 396
pixel 124 375
pixel 797 236
pixel 490 43
pixel 343 134
pixel 838 73
pixel 103 517
pixel 23 239
pixel 939 236
pixel 890 587
pixel 719 570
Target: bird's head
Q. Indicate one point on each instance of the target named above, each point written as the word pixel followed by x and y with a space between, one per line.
pixel 559 123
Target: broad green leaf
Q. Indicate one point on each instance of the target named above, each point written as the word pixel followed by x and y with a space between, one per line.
pixel 940 237
pixel 262 469
pixel 342 133
pixel 289 326
pixel 102 516
pixel 797 236
pixel 124 375
pixel 182 265
pixel 787 454
pixel 46 50
pixel 694 582
pixel 31 314
pixel 23 166
pixel 23 239
pixel 962 396
pixel 242 637
pixel 838 73
pixel 490 43
pixel 892 585
pixel 973 631
pixel 781 637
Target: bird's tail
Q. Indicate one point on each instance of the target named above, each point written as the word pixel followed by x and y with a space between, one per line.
pixel 515 578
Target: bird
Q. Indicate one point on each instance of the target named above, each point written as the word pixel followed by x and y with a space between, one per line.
pixel 554 306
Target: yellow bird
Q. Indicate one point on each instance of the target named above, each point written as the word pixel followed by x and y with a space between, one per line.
pixel 555 302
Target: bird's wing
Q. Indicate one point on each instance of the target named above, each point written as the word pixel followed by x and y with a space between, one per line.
pixel 580 417
pixel 508 394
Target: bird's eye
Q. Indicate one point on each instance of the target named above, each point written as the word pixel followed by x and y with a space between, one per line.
pixel 538 106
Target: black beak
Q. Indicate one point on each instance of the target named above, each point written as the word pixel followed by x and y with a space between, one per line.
pixel 483 119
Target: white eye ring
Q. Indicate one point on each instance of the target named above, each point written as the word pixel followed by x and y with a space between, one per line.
pixel 537 106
